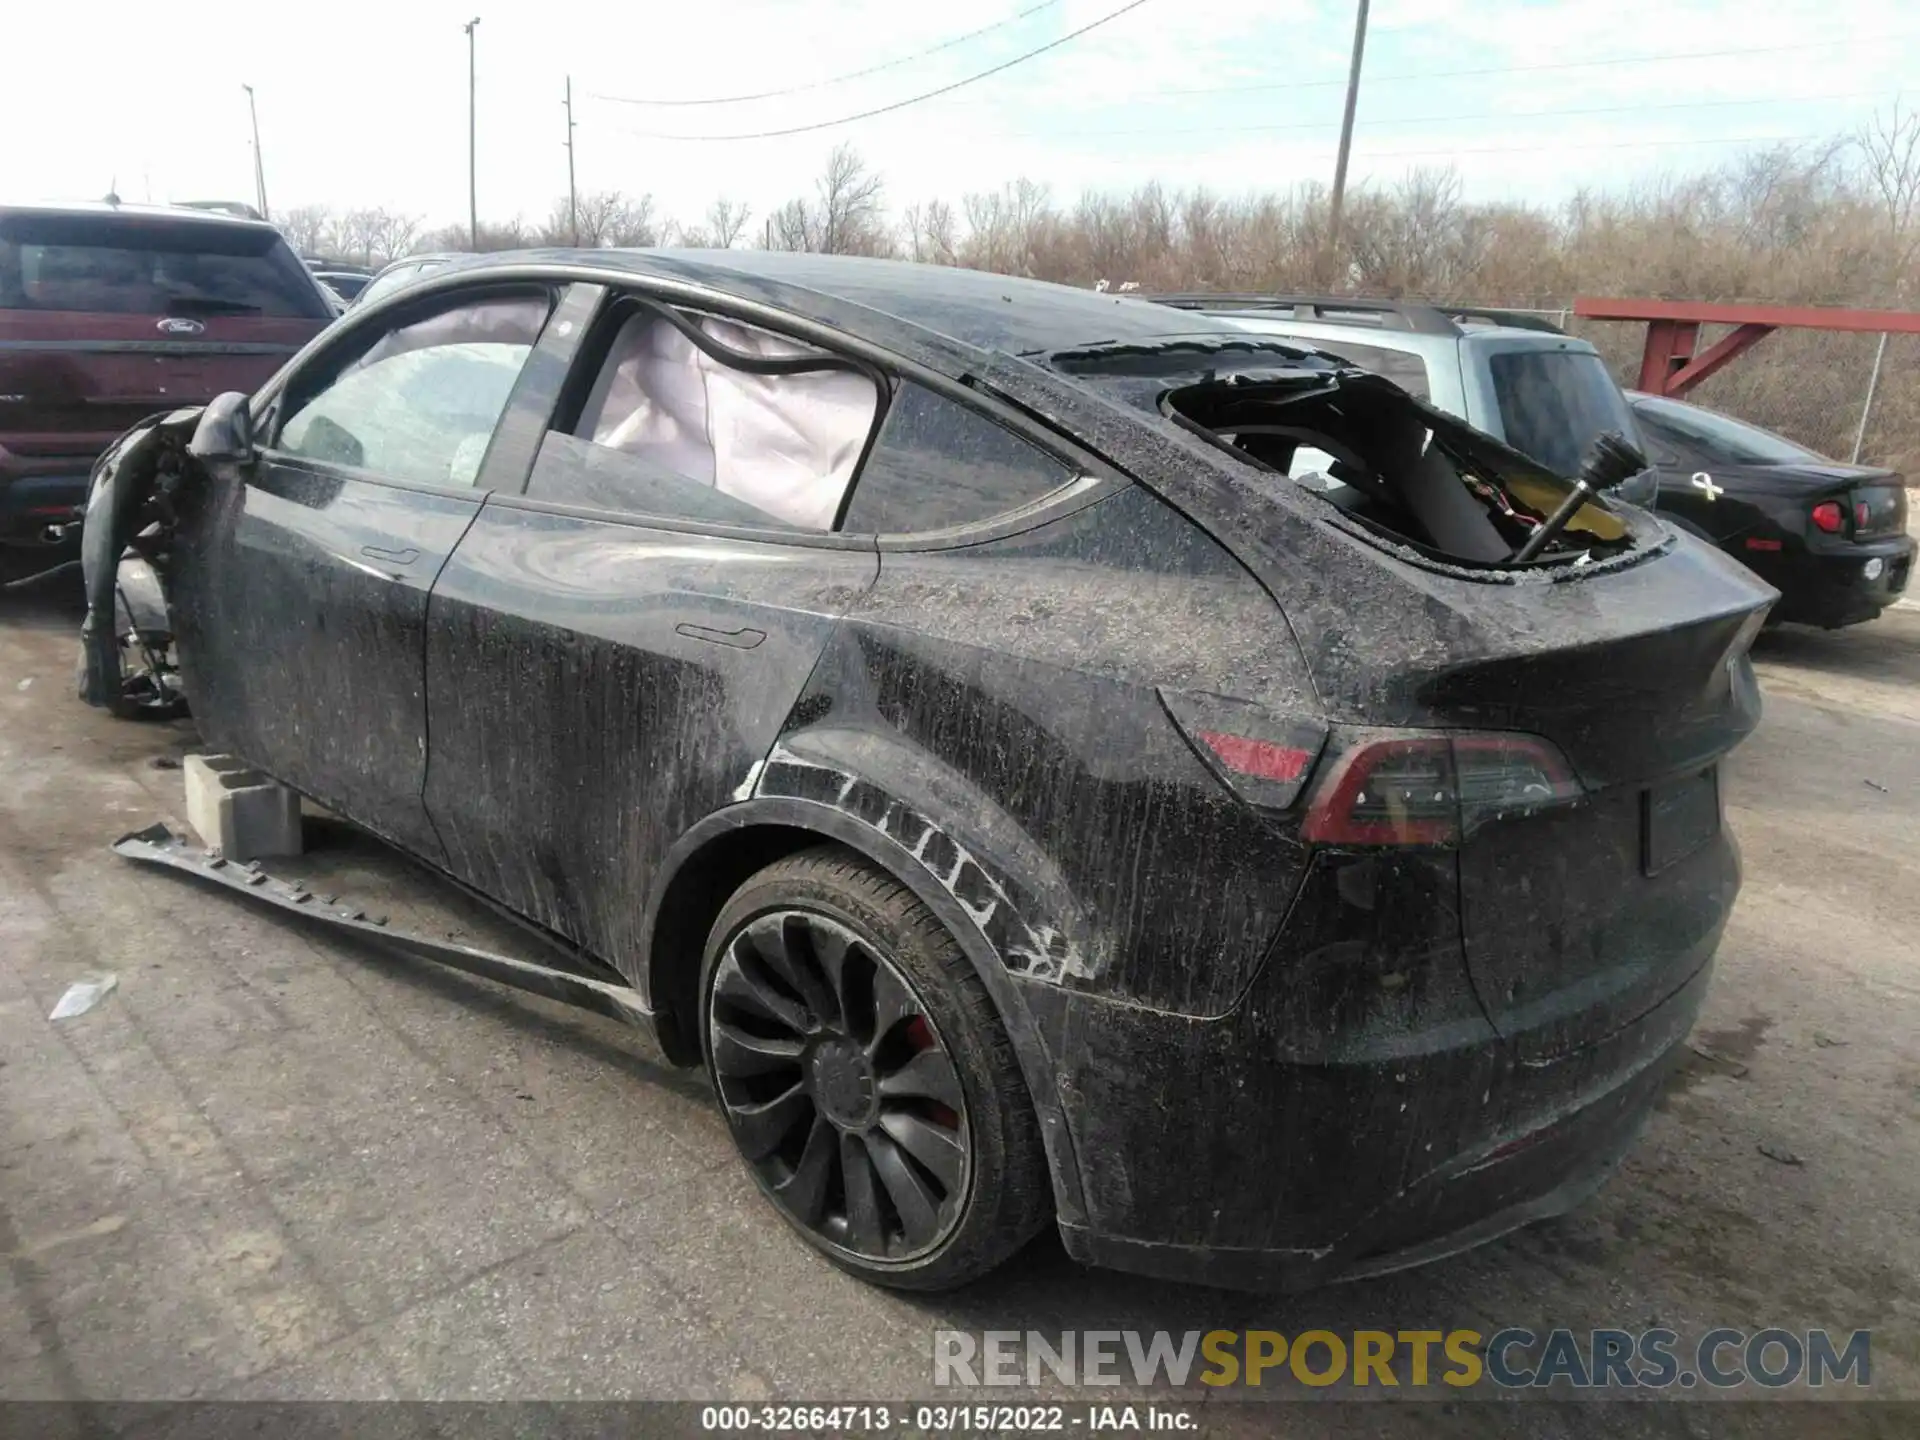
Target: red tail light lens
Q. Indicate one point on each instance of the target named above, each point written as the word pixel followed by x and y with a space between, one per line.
pixel 1433 789
pixel 1829 516
pixel 1260 759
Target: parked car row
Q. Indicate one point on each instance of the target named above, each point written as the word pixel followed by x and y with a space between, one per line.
pixel 354 283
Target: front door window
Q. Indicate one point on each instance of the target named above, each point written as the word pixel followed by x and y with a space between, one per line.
pixel 420 404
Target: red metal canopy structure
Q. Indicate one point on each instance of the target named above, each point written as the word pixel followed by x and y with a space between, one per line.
pixel 1669 364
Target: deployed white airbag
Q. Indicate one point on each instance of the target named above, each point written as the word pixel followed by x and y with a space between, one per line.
pixel 785 444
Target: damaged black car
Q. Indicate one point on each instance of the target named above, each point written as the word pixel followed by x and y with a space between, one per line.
pixel 946 708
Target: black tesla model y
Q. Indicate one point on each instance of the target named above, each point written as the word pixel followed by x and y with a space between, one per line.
pixel 930 694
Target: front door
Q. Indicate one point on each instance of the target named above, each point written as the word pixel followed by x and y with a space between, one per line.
pixel 612 654
pixel 302 600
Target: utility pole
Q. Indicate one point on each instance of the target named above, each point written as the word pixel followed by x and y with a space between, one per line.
pixel 1346 131
pixel 259 166
pixel 473 194
pixel 573 207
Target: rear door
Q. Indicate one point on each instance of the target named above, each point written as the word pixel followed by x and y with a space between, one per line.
pixel 303 582
pixel 612 653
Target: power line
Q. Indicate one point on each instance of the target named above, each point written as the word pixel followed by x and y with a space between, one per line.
pixel 910 100
pixel 1662 58
pixel 1333 83
pixel 1217 129
pixel 947 44
pixel 1558 149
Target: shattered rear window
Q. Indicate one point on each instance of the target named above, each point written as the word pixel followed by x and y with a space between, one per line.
pixel 1393 465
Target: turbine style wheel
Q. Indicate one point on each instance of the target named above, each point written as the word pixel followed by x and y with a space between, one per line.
pixel 839 1090
pixel 865 1077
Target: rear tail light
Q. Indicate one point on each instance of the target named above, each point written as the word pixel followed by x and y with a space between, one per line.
pixel 1862 514
pixel 1262 757
pixel 1828 516
pixel 1256 759
pixel 1434 789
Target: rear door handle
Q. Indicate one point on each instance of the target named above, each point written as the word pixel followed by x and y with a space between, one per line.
pixel 392 557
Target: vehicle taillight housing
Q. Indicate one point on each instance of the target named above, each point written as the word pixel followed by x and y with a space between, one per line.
pixel 1828 516
pixel 1433 789
pixel 1261 756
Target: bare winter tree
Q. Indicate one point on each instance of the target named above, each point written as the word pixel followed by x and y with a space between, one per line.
pixel 606 217
pixel 932 235
pixel 1411 241
pixel 624 220
pixel 1006 228
pixel 847 215
pixel 310 229
pixel 726 219
pixel 791 227
pixel 1890 160
pixel 851 214
pixel 494 235
pixel 375 236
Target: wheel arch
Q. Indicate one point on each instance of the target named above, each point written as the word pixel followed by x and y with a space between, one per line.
pixel 717 855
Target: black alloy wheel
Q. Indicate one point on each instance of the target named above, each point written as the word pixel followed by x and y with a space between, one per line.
pixel 839 1088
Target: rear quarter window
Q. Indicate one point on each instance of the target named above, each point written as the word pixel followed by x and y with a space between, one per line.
pixel 1555 403
pixel 128 265
pixel 938 464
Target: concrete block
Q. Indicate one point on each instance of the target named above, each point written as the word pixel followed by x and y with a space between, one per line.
pixel 238 811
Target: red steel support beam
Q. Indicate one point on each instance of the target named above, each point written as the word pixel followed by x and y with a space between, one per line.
pixel 1742 339
pixel 1669 347
pixel 1701 312
pixel 1668 365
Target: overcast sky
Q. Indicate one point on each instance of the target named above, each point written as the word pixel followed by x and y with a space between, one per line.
pixel 366 104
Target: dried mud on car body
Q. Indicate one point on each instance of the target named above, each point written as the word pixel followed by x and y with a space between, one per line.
pixel 195 1107
pixel 998 724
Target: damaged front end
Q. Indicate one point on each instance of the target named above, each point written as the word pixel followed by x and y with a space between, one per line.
pixel 126 661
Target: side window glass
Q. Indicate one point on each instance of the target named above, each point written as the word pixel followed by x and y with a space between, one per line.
pixel 421 402
pixel 1409 372
pixel 671 428
pixel 938 463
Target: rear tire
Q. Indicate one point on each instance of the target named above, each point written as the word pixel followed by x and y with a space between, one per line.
pixel 866 1078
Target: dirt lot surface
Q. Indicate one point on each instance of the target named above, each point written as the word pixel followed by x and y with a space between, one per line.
pixel 271 1164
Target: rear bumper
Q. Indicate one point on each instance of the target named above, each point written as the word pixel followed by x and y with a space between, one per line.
pixel 1831 587
pixel 1287 1177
